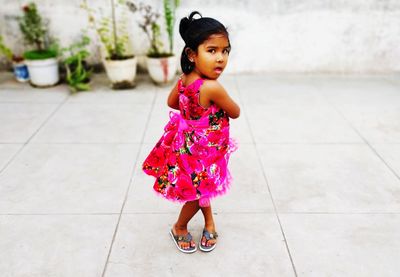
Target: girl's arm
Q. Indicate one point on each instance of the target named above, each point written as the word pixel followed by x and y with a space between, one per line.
pixel 214 92
pixel 173 98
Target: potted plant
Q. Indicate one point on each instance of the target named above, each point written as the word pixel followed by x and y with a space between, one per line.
pixel 20 70
pixel 42 61
pixel 77 72
pixel 161 64
pixel 120 66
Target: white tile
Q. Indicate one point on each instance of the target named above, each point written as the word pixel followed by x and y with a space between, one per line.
pixel 249 191
pixel 355 92
pixel 274 91
pixel 19 121
pixel 329 178
pixel 162 94
pixel 240 129
pixel 230 85
pixel 95 123
pixel 159 117
pixel 393 78
pixel 62 178
pixel 133 97
pixel 25 93
pixel 371 105
pixel 379 124
pixel 55 245
pixel 101 93
pixel 13 91
pixel 249 244
pixel 299 124
pixel 141 196
pixel 390 154
pixel 7 151
pixel 343 244
pixel 246 79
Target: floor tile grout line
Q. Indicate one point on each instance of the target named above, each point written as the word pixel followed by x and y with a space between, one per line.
pixel 310 143
pixel 276 211
pixel 362 137
pixel 265 179
pixel 215 212
pixel 281 213
pixel 56 214
pixel 83 143
pixel 28 102
pixel 242 143
pixel 34 133
pixel 130 183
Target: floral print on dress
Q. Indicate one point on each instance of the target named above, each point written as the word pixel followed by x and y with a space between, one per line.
pixel 190 160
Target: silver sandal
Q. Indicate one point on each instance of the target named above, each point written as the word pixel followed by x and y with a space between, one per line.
pixel 186 238
pixel 208 236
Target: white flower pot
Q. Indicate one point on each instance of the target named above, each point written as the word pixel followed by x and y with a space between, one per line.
pixel 43 73
pixel 121 73
pixel 162 70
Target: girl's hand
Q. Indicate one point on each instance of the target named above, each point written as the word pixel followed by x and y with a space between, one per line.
pixel 212 91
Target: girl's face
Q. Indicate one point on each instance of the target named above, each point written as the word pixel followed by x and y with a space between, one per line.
pixel 212 56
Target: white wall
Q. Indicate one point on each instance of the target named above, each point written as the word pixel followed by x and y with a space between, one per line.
pixel 267 36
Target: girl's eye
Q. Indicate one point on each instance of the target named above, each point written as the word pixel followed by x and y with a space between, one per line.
pixel 212 51
pixel 226 51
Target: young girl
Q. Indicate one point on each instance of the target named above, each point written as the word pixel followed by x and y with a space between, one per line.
pixel 190 160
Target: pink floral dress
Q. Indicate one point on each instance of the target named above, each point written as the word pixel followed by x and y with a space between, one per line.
pixel 190 160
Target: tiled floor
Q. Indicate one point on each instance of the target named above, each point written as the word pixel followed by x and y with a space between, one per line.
pixel 316 187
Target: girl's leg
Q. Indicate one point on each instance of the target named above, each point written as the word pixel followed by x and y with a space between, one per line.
pixel 180 227
pixel 209 225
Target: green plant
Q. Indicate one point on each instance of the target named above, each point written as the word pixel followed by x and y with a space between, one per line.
pixel 35 33
pixel 5 50
pixel 8 53
pixel 40 55
pixel 77 74
pixel 32 26
pixel 169 14
pixel 112 33
pixel 150 27
pixel 156 43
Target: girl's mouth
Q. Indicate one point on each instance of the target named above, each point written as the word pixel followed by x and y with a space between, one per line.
pixel 218 70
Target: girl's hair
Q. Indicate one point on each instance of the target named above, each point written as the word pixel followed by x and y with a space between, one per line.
pixel 194 32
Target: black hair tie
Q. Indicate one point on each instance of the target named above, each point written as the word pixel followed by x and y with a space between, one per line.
pixel 192 14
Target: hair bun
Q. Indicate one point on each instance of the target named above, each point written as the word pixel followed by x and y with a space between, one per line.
pixel 185 23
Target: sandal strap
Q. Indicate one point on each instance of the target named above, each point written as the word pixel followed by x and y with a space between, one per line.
pixel 187 238
pixel 210 235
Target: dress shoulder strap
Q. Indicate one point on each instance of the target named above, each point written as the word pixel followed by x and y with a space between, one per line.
pixel 195 86
pixel 192 87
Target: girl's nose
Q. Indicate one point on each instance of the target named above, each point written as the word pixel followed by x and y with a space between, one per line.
pixel 220 58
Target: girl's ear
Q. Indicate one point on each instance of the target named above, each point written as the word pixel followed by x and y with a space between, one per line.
pixel 190 54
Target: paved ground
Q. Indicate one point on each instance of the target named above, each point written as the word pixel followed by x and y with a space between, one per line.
pixel 316 190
